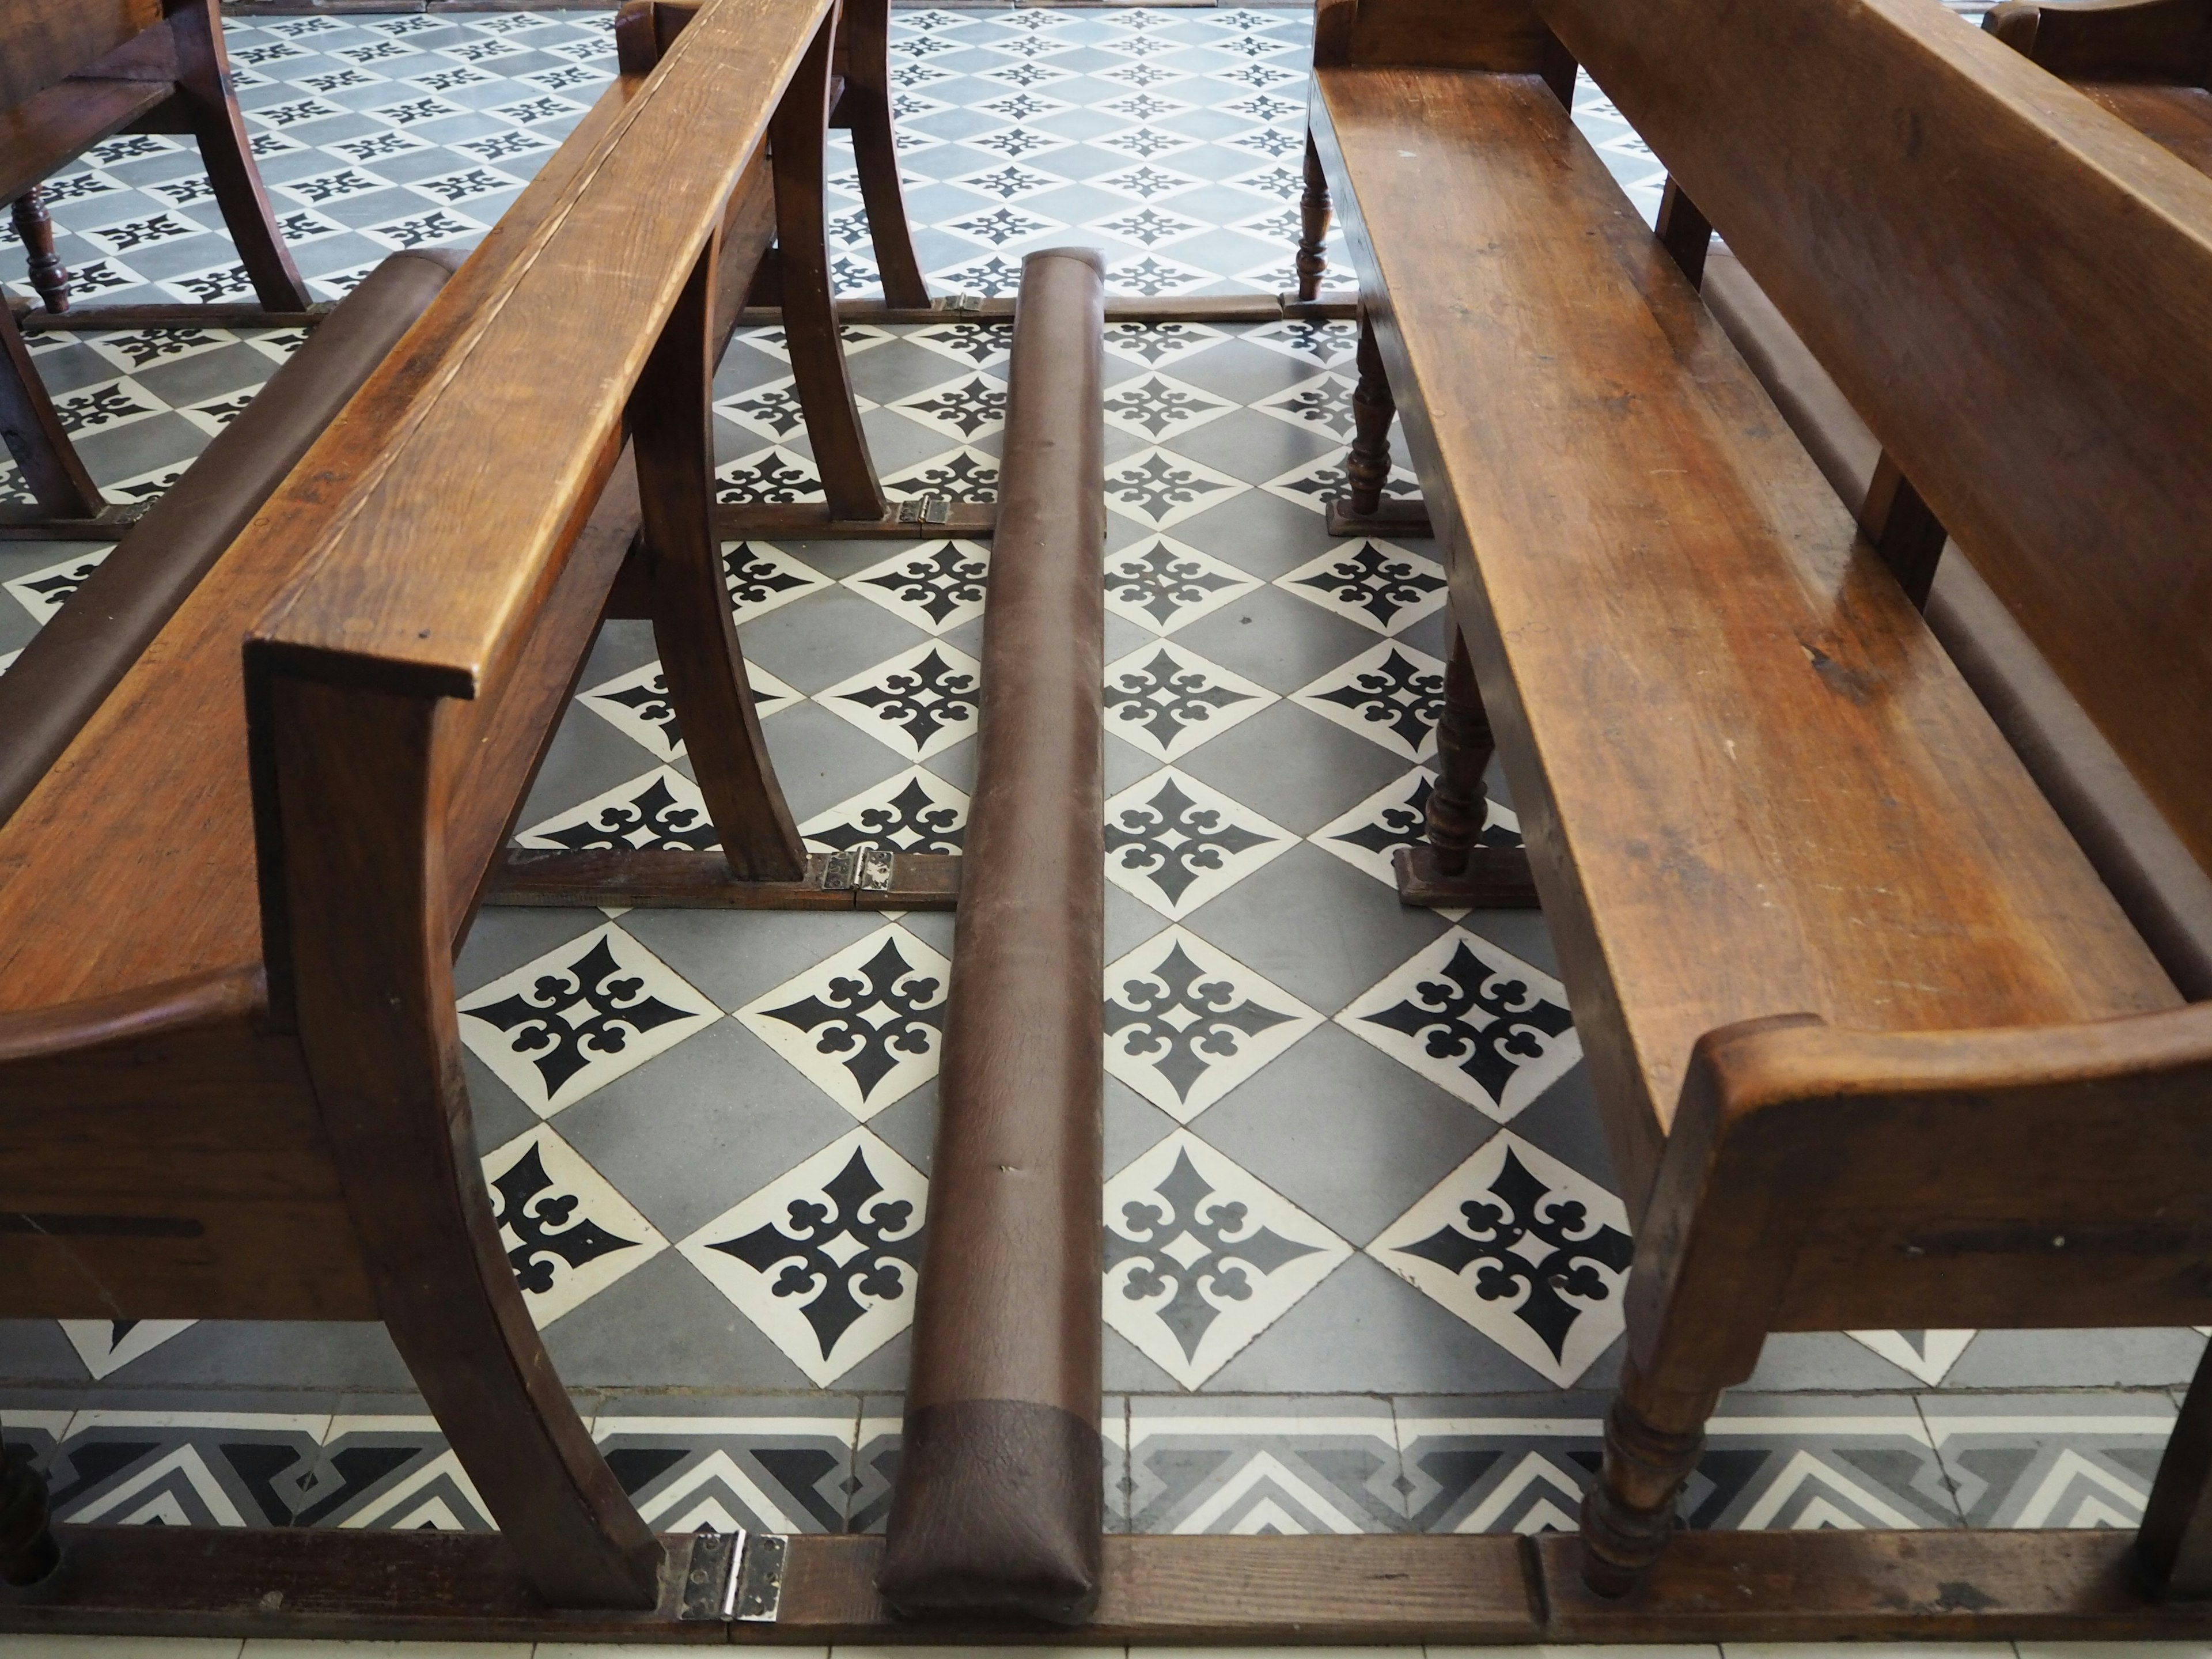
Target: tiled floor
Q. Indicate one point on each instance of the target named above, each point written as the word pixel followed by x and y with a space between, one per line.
pixel 1350 1143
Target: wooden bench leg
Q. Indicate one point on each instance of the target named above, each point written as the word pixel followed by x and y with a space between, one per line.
pixel 1315 210
pixel 53 471
pixel 204 78
pixel 352 807
pixel 2175 1543
pixel 28 1550
pixel 1449 871
pixel 1364 512
pixel 796 138
pixel 866 111
pixel 1653 1437
pixel 671 426
pixel 36 228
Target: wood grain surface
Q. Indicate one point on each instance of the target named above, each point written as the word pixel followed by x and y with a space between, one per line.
pixel 1726 625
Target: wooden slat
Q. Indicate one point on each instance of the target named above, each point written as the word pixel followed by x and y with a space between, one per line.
pixel 2178 119
pixel 499 452
pixel 298 1584
pixel 1725 625
pixel 2040 319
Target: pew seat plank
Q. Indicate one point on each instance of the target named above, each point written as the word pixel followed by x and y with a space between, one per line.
pixel 1668 611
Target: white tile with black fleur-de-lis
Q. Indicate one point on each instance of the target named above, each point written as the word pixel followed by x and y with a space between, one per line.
pixel 1153 343
pixel 1392 695
pixel 760 577
pixel 962 410
pixel 920 703
pixel 637 705
pixel 1154 406
pixel 825 1258
pixel 979 345
pixel 774 477
pixel 1329 342
pixel 1160 584
pixel 579 1017
pixel 1158 487
pixel 1186 1023
pixel 567 1232
pixel 1323 406
pixel 910 811
pixel 933 585
pixel 1201 1257
pixel 1377 585
pixel 865 1025
pixel 1315 485
pixel 1473 1019
pixel 771 410
pixel 661 811
pixel 1529 1251
pixel 1368 837
pixel 1167 700
pixel 1177 842
pixel 963 475
pixel 44 591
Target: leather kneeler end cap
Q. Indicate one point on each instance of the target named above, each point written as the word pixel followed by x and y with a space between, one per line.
pixel 1000 1510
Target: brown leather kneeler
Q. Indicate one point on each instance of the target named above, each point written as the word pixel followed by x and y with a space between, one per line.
pixel 71 664
pixel 998 1507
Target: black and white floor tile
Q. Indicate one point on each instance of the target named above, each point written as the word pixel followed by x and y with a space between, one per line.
pixel 1365 1239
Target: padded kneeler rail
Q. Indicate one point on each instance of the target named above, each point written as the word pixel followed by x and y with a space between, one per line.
pixel 999 1505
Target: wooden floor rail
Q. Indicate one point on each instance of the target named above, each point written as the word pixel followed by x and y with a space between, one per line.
pixel 1945 1586
pixel 997 1507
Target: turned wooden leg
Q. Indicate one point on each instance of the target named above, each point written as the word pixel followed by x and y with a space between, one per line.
pixel 1652 1440
pixel 1460 800
pixel 28 1550
pixel 1449 870
pixel 671 422
pixel 1313 212
pixel 203 81
pixel 37 230
pixel 2175 1542
pixel 866 112
pixel 1367 468
pixel 810 309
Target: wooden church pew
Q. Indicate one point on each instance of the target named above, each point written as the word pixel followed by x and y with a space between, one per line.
pixel 72 73
pixel 1874 1043
pixel 231 906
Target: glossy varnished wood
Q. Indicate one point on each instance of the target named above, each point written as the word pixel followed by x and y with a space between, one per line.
pixel 1693 869
pixel 2021 186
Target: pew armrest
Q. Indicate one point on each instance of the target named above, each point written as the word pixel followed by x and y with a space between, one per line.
pixel 1821 1179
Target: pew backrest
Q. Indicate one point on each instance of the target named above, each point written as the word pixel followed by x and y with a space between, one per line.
pixel 2012 286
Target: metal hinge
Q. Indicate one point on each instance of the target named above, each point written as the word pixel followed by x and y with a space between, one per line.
pixel 710 1578
pixel 966 303
pixel 865 870
pixel 926 510
pixel 760 1578
pixel 736 1575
